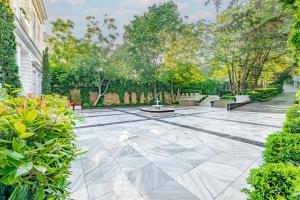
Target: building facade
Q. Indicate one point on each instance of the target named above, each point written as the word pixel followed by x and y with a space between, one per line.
pixel 30 16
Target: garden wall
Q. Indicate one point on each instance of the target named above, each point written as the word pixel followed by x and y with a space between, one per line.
pixel 129 98
pixel 130 93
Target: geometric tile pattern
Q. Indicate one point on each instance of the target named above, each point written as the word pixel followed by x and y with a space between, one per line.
pixel 130 156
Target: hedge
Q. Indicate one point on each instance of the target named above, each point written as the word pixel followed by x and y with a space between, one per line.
pixel 282 148
pixel 230 97
pixel 261 94
pixel 274 182
pixel 279 176
pixel 293 113
pixel 37 146
pixel 292 126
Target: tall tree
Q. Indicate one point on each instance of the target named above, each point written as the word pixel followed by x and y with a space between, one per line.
pixel 247 37
pixel 294 37
pixel 46 86
pixel 145 36
pixel 9 71
pixel 181 65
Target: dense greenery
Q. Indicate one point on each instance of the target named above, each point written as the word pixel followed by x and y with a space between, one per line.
pixel 248 44
pixel 292 126
pixel 37 147
pixel 279 176
pixel 46 86
pixel 274 181
pixel 9 71
pixel 293 113
pixel 294 37
pixel 282 148
pixel 261 94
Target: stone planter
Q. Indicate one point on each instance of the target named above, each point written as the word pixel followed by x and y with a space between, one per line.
pixel 222 103
pixel 187 102
pixel 242 98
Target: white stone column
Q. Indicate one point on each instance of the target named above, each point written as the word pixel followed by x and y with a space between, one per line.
pixel 18 13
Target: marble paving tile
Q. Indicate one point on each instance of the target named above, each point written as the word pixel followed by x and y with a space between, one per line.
pixel 170 191
pixel 202 184
pixel 121 190
pixel 187 139
pixel 123 151
pixel 168 166
pixel 171 148
pixel 132 162
pixel 148 178
pixel 154 160
pixel 223 172
pixel 198 155
pixel 231 194
pixel 106 172
pixel 81 194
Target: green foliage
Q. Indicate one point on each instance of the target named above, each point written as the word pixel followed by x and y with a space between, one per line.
pixel 46 85
pixel 282 147
pixel 146 36
pixel 294 37
pixel 261 94
pixel 274 181
pixel 9 71
pixel 278 178
pixel 37 147
pixel 247 41
pixel 229 97
pixel 292 126
pixel 208 87
pixel 293 113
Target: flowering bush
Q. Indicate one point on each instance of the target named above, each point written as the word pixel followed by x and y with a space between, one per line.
pixel 36 147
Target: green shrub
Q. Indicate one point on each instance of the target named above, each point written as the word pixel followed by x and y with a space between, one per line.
pixel 229 97
pixel 261 94
pixel 254 96
pixel 282 148
pixel 274 181
pixel 293 113
pixel 36 147
pixel 292 126
pixel 279 87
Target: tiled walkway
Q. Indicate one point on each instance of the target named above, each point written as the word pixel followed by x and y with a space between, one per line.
pixel 200 153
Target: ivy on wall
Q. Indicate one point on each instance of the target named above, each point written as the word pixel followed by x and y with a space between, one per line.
pixel 9 71
pixel 120 87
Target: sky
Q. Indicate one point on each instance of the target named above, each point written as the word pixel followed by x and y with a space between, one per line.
pixel 122 10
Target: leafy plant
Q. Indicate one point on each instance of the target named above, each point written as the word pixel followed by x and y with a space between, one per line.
pixel 46 86
pixel 293 113
pixel 292 126
pixel 36 147
pixel 282 148
pixel 9 71
pixel 274 181
pixel 229 97
pixel 260 94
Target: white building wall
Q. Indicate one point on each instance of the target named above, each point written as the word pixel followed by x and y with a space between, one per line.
pixel 29 38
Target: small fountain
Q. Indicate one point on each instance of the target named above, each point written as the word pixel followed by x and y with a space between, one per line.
pixel 158 110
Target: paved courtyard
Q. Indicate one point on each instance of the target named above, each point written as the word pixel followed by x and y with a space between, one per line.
pixel 199 153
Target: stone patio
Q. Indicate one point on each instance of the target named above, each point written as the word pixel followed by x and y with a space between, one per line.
pixel 200 153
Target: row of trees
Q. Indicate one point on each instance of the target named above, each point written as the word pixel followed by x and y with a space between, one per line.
pixel 158 48
pixel 249 42
pixel 246 45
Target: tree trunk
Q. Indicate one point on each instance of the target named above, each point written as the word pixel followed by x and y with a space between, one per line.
pixel 100 94
pixel 172 91
pixel 178 94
